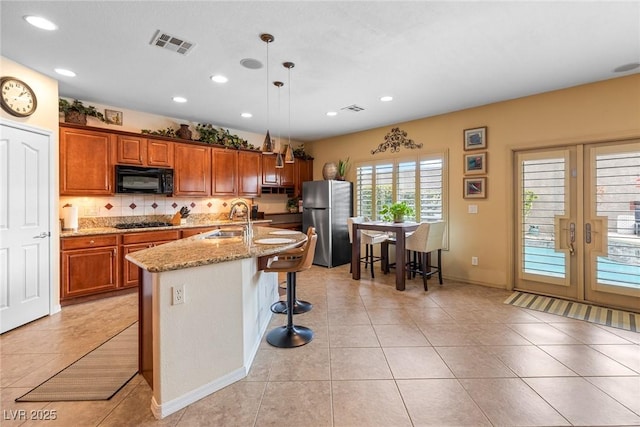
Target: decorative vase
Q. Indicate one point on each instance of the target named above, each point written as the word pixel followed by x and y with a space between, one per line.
pixel 75 117
pixel 398 218
pixel 184 132
pixel 329 171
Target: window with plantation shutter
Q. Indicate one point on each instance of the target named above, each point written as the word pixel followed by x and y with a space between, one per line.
pixel 419 181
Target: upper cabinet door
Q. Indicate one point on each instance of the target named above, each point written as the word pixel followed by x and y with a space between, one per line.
pixel 86 162
pixel 304 172
pixel 131 150
pixel 287 175
pixel 192 170
pixel 269 174
pixel 160 153
pixel 249 173
pixel 224 178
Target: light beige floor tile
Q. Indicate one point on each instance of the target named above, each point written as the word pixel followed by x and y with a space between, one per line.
pixel 440 402
pixel 305 403
pixel 416 362
pixel 400 336
pixel 449 334
pixel 134 411
pixel 429 315
pixel 625 390
pixel 347 316
pixel 589 333
pixel 510 402
pixel 628 355
pixel 304 363
pixel 586 361
pixel 368 404
pixel 235 405
pixel 634 337
pixel 582 403
pixel 359 364
pixel 473 362
pixel 530 361
pixel 261 367
pixel 497 334
pixel 352 336
pixel 389 316
pixel 541 334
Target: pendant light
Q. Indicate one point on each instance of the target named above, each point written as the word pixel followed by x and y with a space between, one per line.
pixel 267 146
pixel 288 155
pixel 279 160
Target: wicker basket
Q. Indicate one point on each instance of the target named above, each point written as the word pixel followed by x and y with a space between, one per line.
pixel 75 117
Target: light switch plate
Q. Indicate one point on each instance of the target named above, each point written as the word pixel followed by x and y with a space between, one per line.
pixel 473 209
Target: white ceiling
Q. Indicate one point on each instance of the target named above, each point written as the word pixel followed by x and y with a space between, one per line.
pixel 432 57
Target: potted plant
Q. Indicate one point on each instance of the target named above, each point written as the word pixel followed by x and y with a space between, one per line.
pixel 292 204
pixel 77 112
pixel 343 165
pixel 396 212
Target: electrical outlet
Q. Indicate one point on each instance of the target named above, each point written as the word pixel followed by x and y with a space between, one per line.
pixel 178 295
pixel 474 260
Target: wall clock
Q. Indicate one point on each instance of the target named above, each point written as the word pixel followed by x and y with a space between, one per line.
pixel 18 98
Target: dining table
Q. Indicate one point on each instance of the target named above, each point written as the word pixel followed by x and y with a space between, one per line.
pixel 399 228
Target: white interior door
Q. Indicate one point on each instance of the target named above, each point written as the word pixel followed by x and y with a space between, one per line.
pixel 578 217
pixel 24 226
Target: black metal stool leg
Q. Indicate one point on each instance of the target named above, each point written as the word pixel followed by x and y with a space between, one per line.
pixel 290 335
pixel 299 306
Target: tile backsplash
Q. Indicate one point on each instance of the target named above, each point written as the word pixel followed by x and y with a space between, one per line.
pixel 145 205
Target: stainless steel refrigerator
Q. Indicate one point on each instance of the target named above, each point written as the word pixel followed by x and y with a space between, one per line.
pixel 326 206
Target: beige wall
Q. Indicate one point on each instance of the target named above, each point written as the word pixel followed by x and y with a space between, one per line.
pixel 603 111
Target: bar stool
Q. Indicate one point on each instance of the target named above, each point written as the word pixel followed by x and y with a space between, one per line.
pixel 368 238
pixel 299 306
pixel 427 238
pixel 291 335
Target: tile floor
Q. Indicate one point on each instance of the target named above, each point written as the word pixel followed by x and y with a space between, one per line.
pixel 455 355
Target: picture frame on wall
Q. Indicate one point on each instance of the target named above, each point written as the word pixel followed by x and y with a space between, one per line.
pixel 474 188
pixel 475 139
pixel 113 117
pixel 475 163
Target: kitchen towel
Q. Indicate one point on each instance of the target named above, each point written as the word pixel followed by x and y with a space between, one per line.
pixel 70 218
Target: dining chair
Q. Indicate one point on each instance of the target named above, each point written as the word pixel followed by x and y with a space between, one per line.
pixel 368 238
pixel 427 238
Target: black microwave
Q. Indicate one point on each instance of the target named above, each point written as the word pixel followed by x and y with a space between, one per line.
pixel 134 179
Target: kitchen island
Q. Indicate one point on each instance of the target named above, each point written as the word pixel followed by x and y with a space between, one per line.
pixel 204 307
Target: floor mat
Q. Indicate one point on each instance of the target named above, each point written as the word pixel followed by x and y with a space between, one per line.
pixel 98 375
pixel 575 310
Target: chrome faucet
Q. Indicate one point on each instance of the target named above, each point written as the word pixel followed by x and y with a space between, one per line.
pixel 248 235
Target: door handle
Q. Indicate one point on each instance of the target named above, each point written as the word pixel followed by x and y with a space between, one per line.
pixel 572 237
pixel 42 235
pixel 587 233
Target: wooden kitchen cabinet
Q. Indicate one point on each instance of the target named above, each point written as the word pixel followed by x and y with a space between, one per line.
pixel 89 265
pixel 192 170
pixel 274 177
pixel 87 158
pixel 224 176
pixel 249 173
pixel 139 151
pixel 132 242
pixel 304 172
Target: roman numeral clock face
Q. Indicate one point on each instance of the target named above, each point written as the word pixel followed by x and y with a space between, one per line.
pixel 18 98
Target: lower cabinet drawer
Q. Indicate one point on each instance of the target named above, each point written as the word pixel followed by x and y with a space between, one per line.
pixel 87 242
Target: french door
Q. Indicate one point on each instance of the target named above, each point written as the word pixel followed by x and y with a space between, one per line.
pixel 578 223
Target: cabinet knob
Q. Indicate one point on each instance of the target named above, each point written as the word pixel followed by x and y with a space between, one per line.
pixel 91 242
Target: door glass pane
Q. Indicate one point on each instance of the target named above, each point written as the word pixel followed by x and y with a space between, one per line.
pixel 384 186
pixel 431 189
pixel 406 185
pixel 618 199
pixel 543 196
pixel 364 193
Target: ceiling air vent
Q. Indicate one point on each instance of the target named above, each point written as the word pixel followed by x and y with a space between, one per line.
pixel 172 43
pixel 355 108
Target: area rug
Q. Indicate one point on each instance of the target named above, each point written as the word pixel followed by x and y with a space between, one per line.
pixel 575 310
pixel 98 375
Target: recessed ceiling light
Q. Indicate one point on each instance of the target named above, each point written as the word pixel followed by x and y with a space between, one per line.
pixel 331 113
pixel 246 115
pixel 43 24
pixel 386 98
pixel 626 67
pixel 218 78
pixel 179 99
pixel 64 72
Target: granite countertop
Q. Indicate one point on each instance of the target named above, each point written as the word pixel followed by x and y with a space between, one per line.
pixel 112 230
pixel 197 251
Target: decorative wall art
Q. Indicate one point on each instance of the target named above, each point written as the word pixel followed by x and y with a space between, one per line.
pixel 113 117
pixel 394 140
pixel 475 139
pixel 474 188
pixel 475 163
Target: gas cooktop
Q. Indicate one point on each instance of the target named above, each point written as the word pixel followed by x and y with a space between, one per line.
pixel 127 225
